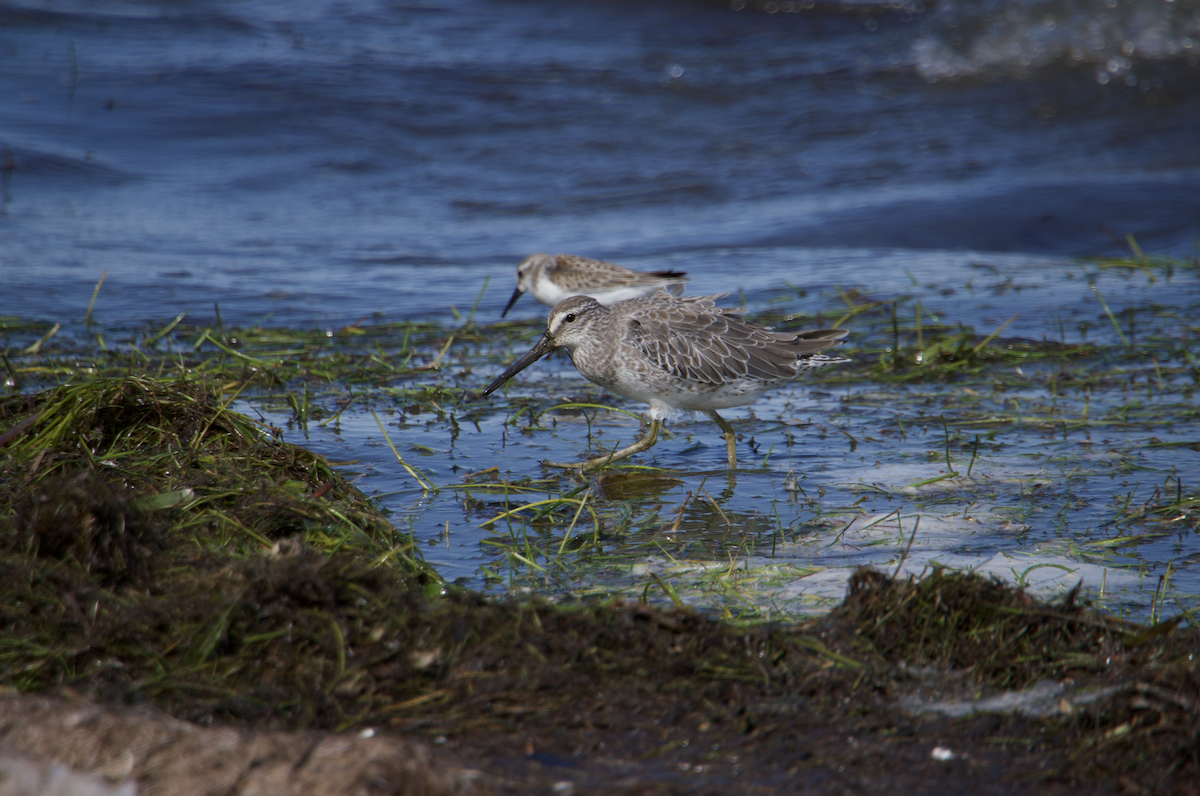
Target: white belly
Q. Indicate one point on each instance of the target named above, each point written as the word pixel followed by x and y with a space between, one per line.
pixel 548 292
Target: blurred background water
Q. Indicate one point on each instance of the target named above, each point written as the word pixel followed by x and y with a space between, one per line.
pixel 308 162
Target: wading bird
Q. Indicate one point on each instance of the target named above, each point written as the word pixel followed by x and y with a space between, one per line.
pixel 675 353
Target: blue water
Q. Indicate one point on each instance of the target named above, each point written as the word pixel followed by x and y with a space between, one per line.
pixel 308 162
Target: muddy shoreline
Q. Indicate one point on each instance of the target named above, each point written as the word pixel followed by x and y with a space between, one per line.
pixel 126 592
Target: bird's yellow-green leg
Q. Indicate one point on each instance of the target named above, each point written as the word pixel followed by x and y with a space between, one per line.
pixel 637 447
pixel 730 437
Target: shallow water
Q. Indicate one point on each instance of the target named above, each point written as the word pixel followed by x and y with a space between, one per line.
pixel 315 163
pixel 1049 484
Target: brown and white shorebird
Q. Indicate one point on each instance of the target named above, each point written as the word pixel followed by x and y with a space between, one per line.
pixel 554 277
pixel 676 354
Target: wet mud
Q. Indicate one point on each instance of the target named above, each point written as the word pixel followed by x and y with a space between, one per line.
pixel 133 601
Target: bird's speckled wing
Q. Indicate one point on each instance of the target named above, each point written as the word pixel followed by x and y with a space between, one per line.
pixel 696 340
pixel 580 273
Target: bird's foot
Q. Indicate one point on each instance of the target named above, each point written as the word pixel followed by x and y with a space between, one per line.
pixel 600 461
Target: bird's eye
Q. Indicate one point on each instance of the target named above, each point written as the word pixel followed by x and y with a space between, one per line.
pixel 570 317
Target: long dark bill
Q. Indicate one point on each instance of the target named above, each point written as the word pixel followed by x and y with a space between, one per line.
pixel 543 347
pixel 516 295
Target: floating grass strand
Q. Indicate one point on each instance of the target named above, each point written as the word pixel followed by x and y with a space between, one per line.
pixel 567 534
pixel 425 485
pixel 37 346
pixel 334 417
pixel 206 336
pixel 854 309
pixel 668 590
pixel 526 561
pixel 946 431
pixel 87 318
pixel 1111 317
pixel 1134 247
pixel 876 521
pixel 934 480
pixel 911 537
pixel 983 343
pixel 150 341
pixel 508 513
pixel 436 363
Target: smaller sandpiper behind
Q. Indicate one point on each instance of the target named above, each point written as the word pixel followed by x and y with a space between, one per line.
pixel 554 277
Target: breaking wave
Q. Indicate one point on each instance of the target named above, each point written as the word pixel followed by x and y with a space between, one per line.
pixel 963 39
